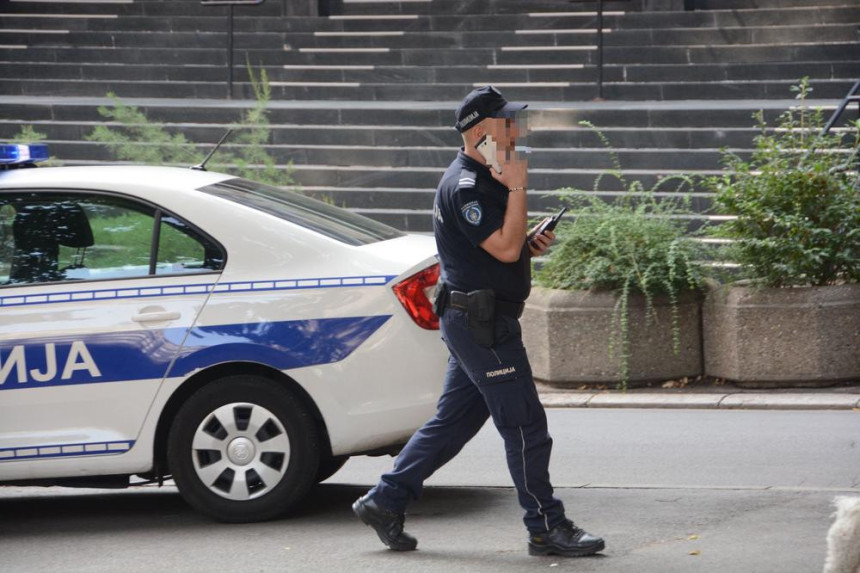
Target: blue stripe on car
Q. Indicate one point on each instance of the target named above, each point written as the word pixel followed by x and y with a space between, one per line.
pixel 147 354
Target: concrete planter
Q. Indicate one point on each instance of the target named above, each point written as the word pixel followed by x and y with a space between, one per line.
pixel 777 337
pixel 567 335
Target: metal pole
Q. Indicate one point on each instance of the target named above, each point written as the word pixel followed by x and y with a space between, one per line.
pixel 851 96
pixel 230 55
pixel 600 49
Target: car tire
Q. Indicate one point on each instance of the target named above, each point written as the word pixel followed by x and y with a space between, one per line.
pixel 329 467
pixel 243 449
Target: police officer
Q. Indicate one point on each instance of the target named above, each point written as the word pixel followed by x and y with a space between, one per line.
pixel 480 221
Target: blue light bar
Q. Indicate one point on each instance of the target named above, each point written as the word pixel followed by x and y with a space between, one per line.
pixel 18 154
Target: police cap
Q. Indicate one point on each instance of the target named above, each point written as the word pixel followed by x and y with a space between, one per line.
pixel 482 103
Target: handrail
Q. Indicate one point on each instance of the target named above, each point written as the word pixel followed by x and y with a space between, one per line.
pixel 600 50
pixel 852 95
pixel 230 4
pixel 600 47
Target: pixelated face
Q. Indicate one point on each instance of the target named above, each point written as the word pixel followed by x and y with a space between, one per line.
pixel 506 130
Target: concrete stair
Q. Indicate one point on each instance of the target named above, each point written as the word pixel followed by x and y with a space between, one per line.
pixel 542 50
pixel 363 100
pixel 384 158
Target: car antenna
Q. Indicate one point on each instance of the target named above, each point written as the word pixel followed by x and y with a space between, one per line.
pixel 202 165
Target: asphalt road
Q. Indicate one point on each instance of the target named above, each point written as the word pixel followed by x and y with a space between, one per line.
pixel 668 448
pixel 670 490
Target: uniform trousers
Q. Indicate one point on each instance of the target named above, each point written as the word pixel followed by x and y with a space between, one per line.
pixel 481 382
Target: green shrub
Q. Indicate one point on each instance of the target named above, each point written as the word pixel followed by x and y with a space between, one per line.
pixel 28 134
pixel 138 140
pixel 636 244
pixel 795 202
pixel 251 159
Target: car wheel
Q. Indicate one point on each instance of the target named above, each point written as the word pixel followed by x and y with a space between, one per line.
pixel 329 466
pixel 243 449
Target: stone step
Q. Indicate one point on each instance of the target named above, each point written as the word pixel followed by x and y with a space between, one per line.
pixel 716 36
pixel 547 54
pixel 570 139
pixel 420 220
pixel 74 64
pixel 760 35
pixel 376 149
pixel 561 91
pixel 409 136
pixel 428 23
pixel 483 7
pixel 66 8
pixel 215 40
pixel 464 75
pixel 410 114
pixel 513 55
pixel 548 144
pixel 679 139
pixel 427 177
pixel 768 4
pixel 438 157
pixel 808 16
pixel 140 56
pixel 148 8
pixel 471 7
pixel 400 40
pixel 540 202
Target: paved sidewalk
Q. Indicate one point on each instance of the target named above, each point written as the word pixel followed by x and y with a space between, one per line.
pixel 726 396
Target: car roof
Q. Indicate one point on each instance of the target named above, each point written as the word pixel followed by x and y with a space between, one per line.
pixel 110 177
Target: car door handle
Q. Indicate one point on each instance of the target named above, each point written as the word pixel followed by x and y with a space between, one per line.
pixel 155 316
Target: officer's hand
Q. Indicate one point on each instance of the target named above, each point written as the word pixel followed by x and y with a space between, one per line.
pixel 539 245
pixel 514 170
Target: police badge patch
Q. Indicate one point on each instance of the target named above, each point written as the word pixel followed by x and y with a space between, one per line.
pixel 472 212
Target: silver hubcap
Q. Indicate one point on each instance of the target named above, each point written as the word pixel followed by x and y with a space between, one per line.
pixel 241 451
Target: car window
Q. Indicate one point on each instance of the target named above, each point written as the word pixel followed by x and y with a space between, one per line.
pixel 181 249
pixel 328 220
pixel 51 237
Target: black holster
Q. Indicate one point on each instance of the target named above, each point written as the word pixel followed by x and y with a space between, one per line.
pixel 440 298
pixel 482 314
pixel 479 306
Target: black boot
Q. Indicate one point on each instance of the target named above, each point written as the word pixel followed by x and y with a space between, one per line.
pixel 566 540
pixel 387 524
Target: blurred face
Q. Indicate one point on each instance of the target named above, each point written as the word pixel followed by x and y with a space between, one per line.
pixel 505 132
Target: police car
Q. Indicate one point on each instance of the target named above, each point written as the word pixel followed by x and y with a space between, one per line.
pixel 167 322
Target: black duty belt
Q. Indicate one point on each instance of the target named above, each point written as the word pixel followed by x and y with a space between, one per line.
pixel 458 299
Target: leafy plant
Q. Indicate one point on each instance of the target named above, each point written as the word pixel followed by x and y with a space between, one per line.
pixel 795 202
pixel 637 243
pixel 251 160
pixel 137 139
pixel 28 134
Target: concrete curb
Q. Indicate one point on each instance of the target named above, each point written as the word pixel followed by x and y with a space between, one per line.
pixel 728 401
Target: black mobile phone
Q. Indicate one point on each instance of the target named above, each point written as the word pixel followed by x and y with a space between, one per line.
pixel 547 224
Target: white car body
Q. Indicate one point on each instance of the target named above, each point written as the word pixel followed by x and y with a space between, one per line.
pixel 88 367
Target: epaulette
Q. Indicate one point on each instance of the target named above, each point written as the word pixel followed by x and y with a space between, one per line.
pixel 467 179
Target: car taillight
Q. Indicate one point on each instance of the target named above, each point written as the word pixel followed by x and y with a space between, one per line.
pixel 414 295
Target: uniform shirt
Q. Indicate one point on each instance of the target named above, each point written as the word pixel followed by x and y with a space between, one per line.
pixel 469 207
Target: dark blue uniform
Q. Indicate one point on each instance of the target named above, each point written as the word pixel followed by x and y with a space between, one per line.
pixel 481 381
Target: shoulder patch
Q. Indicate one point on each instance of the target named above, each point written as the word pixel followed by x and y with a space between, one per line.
pixel 472 212
pixel 467 179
